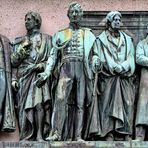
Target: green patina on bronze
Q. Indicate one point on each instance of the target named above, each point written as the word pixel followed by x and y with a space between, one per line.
pixel 29 58
pixel 115 81
pixel 71 60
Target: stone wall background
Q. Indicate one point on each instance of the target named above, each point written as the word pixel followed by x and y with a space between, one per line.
pixel 54 12
pixel 54 18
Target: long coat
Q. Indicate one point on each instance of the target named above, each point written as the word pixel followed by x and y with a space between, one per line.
pixel 29 95
pixel 142 60
pixel 117 90
pixel 7 113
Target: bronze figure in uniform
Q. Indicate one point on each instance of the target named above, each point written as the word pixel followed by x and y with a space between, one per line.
pixel 73 57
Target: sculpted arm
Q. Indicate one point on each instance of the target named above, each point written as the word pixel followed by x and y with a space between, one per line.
pixel 141 59
pixel 21 51
pixel 129 63
pixel 51 61
pixel 40 67
pixel 49 68
pixel 96 59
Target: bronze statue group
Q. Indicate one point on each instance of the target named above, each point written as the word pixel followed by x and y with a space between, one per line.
pixel 73 86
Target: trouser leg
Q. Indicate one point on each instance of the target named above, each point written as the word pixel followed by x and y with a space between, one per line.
pixel 39 121
pixel 80 101
pixel 60 110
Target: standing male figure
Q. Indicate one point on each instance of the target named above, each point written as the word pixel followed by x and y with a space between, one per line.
pixel 142 106
pixel 72 49
pixel 30 55
pixel 115 82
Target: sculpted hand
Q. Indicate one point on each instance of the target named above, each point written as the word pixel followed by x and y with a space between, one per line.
pixel 39 67
pixel 96 66
pixel 118 68
pixel 23 49
pixel 14 85
pixel 42 77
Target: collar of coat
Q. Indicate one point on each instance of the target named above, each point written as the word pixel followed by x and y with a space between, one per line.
pixel 105 37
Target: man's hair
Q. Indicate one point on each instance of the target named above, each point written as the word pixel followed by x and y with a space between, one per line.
pixel 36 17
pixel 110 17
pixel 74 4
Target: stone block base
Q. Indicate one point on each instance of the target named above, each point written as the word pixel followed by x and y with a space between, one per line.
pixel 87 144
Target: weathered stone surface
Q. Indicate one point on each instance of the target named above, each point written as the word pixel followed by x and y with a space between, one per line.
pixel 92 144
